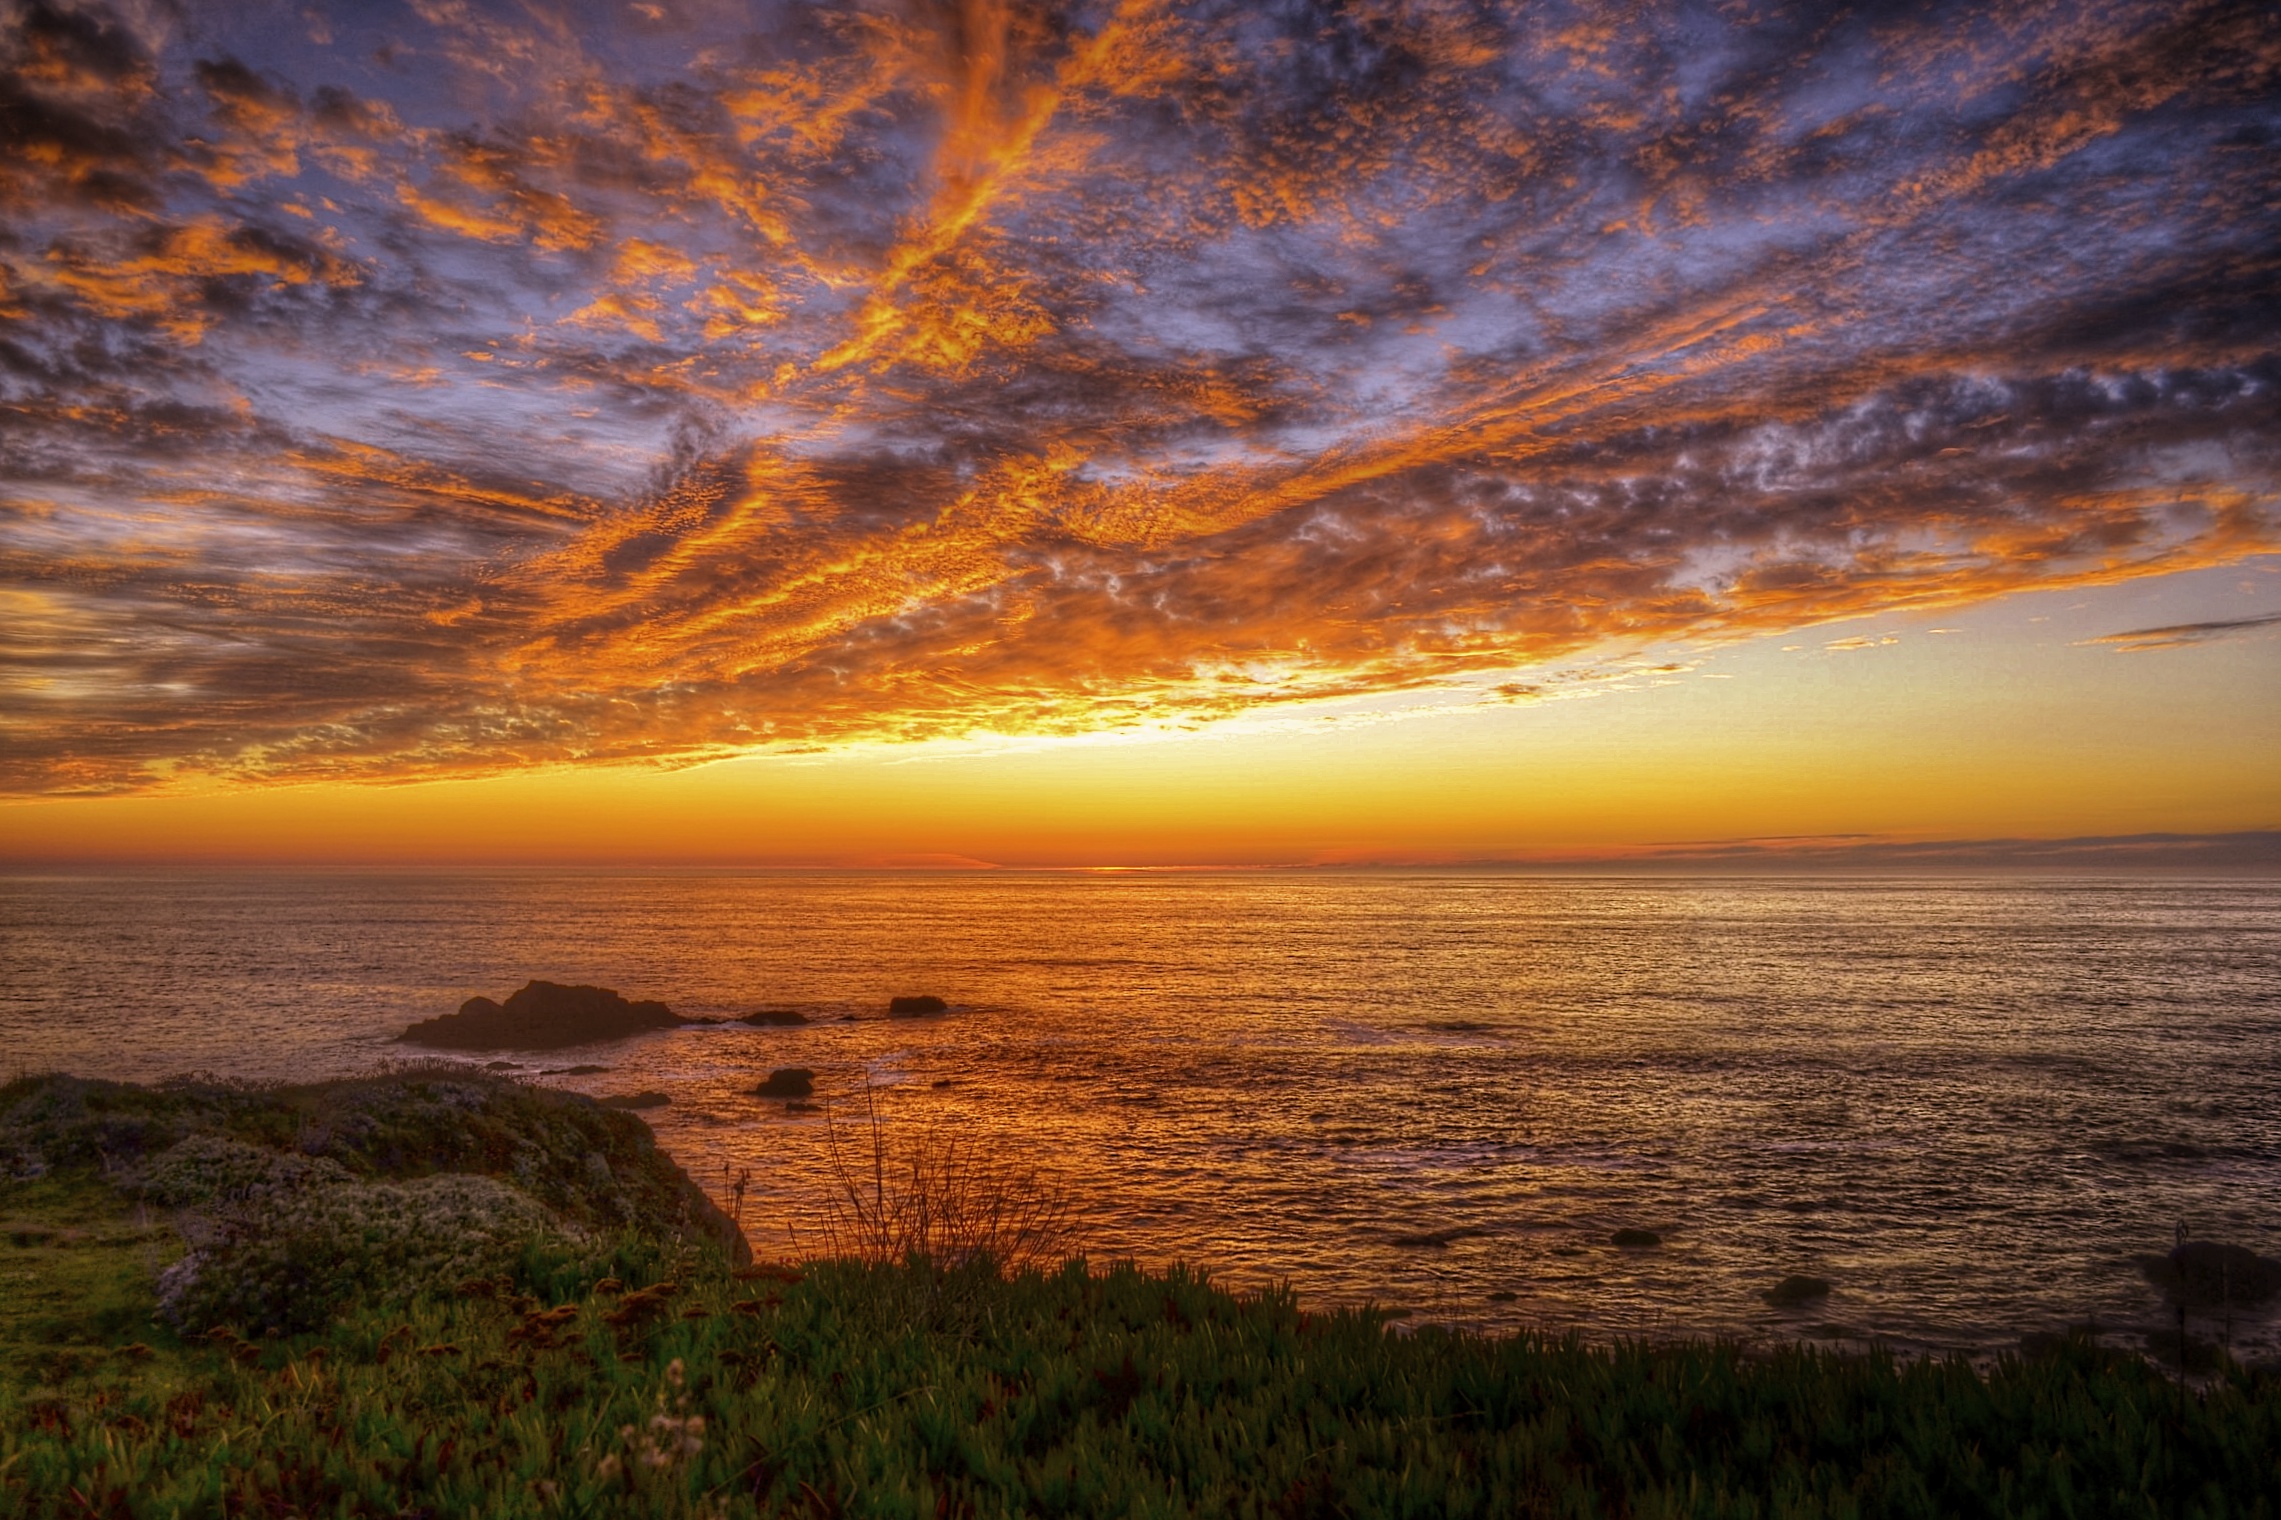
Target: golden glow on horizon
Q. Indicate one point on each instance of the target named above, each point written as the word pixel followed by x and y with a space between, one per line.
pixel 2008 725
pixel 1125 431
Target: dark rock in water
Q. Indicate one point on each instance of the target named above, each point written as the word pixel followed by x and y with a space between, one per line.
pixel 2204 1274
pixel 1434 1238
pixel 787 1082
pixel 797 1107
pixel 543 1016
pixel 2189 1353
pixel 2079 1339
pixel 1636 1240
pixel 1797 1289
pixel 1503 1296
pixel 576 1071
pixel 915 1007
pixel 635 1100
pixel 774 1016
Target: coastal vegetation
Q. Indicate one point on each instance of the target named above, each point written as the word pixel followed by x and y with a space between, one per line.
pixel 445 1294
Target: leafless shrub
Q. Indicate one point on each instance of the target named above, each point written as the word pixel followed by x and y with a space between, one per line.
pixel 950 1199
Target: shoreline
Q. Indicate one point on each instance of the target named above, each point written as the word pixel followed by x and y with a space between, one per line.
pixel 640 1369
pixel 2143 1336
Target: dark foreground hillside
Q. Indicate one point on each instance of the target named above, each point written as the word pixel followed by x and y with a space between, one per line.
pixel 436 1295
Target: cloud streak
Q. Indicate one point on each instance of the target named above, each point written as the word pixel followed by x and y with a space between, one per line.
pixel 2248 852
pixel 395 391
pixel 2182 635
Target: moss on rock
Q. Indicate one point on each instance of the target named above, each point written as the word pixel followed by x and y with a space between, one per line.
pixel 288 1259
pixel 296 1200
pixel 207 1170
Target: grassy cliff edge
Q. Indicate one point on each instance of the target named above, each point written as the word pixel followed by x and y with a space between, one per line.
pixel 438 1294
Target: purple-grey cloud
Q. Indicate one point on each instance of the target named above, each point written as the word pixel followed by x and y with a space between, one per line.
pixel 392 390
pixel 2180 635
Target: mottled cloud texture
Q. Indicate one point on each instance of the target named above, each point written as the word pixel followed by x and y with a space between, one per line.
pixel 422 387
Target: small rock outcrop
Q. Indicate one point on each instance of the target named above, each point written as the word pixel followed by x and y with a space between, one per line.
pixel 771 1017
pixel 1636 1240
pixel 543 1016
pixel 1435 1239
pixel 920 1007
pixel 2206 1274
pixel 635 1100
pixel 1797 1289
pixel 787 1082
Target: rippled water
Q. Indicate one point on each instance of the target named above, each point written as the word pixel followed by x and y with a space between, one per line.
pixel 1966 1103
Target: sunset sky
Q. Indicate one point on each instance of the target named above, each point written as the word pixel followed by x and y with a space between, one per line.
pixel 700 432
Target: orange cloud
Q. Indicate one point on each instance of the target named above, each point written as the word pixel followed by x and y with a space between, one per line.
pixel 482 388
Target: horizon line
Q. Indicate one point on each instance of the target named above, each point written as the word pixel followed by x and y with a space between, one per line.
pixel 2244 852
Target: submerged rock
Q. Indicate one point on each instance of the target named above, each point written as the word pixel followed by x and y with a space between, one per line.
pixel 635 1100
pixel 2080 1338
pixel 1435 1238
pixel 1797 1289
pixel 916 1007
pixel 543 1016
pixel 1636 1240
pixel 771 1017
pixel 787 1082
pixel 2205 1274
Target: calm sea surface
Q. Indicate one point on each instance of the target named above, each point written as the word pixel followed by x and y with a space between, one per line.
pixel 1965 1103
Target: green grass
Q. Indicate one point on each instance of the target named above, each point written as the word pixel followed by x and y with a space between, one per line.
pixel 77 1264
pixel 685 1387
pixel 900 1391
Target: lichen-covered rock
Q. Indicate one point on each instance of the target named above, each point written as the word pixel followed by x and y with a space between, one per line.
pixel 284 1260
pixel 63 1122
pixel 598 1170
pixel 205 1170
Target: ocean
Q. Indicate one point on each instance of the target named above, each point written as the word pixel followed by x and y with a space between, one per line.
pixel 1967 1104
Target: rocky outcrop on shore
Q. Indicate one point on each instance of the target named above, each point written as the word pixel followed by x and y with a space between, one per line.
pixel 298 1199
pixel 542 1016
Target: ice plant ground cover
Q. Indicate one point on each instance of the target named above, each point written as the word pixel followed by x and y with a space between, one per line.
pixel 637 1368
